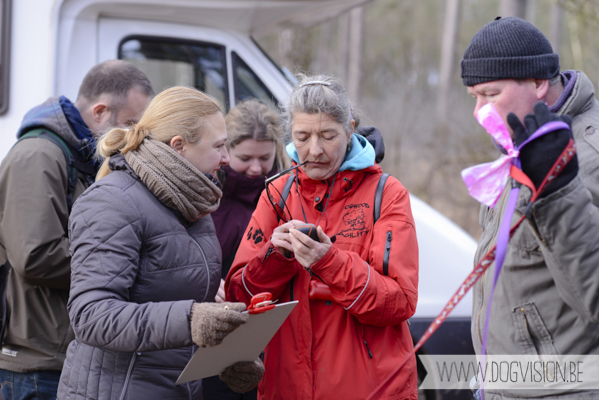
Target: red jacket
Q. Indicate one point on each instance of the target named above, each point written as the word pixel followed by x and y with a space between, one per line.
pixel 345 349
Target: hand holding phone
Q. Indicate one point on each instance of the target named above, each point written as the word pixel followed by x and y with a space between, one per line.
pixel 307 252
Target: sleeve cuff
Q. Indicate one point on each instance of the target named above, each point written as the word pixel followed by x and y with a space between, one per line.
pixel 323 268
pixel 271 266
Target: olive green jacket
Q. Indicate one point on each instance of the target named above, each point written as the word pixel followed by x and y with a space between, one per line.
pixel 547 296
pixel 33 238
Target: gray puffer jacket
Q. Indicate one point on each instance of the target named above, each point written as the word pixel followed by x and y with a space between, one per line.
pixel 137 268
pixel 547 297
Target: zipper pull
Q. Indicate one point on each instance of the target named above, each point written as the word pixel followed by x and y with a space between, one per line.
pixel 367 348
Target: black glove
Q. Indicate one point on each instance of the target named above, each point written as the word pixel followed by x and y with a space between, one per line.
pixel 538 156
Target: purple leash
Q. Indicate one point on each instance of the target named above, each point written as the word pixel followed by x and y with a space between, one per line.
pixel 503 235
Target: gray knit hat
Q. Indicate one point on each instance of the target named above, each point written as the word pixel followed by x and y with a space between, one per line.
pixel 508 48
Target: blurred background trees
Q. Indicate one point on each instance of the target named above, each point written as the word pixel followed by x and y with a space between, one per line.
pixel 399 61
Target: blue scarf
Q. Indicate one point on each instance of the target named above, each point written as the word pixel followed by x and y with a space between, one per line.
pixel 82 131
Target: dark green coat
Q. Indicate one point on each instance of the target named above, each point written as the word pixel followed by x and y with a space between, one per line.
pixel 33 233
pixel 547 297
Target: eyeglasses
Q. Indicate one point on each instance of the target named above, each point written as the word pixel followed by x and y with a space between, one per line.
pixel 280 211
pixel 275 176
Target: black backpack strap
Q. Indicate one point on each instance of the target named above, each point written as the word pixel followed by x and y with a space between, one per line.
pixel 285 194
pixel 75 161
pixel 378 196
pixel 378 200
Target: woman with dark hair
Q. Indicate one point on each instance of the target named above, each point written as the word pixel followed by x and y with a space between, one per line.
pixel 356 279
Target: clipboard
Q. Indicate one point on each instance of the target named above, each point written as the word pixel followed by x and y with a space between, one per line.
pixel 243 344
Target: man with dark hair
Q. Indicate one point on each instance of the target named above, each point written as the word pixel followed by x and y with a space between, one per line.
pixel 51 164
pixel 546 300
pixel 112 81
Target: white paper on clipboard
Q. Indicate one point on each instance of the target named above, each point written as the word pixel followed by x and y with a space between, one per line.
pixel 243 344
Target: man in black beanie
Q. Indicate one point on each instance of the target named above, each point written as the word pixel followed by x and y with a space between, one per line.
pixel 546 300
pixel 510 63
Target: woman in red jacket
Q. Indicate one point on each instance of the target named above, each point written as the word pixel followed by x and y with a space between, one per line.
pixel 342 340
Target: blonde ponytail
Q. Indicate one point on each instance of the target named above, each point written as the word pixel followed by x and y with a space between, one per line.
pixel 116 140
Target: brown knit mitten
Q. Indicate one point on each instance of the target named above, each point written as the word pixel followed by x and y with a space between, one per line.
pixel 243 376
pixel 211 322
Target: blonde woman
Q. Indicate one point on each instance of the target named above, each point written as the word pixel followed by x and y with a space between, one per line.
pixel 257 152
pixel 145 258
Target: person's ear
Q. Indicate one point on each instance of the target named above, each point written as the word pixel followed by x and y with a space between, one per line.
pixel 178 144
pixel 98 111
pixel 541 88
pixel 352 124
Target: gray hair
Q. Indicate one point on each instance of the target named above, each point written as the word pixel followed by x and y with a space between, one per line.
pixel 557 79
pixel 319 94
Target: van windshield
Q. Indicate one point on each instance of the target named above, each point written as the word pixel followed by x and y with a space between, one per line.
pixel 178 62
pixel 181 62
pixel 248 85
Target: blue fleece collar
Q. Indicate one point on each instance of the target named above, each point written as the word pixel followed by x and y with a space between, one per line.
pixel 361 155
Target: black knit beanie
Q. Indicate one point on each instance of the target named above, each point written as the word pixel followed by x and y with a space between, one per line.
pixel 508 48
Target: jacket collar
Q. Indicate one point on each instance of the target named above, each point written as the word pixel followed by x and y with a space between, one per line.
pixel 358 163
pixel 569 79
pixel 60 116
pixel 50 115
pixel 581 96
pixel 346 184
pixel 117 163
pixel 81 130
pixel 241 187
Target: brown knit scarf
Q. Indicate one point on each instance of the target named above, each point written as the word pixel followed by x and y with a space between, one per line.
pixel 173 180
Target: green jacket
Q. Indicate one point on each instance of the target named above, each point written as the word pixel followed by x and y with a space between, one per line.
pixel 547 296
pixel 33 234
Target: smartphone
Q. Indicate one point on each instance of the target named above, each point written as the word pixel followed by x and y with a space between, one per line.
pixel 308 230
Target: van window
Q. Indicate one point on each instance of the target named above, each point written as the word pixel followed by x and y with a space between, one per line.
pixel 5 13
pixel 178 62
pixel 248 85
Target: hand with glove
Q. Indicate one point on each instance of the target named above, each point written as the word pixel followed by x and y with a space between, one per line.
pixel 211 322
pixel 538 156
pixel 242 376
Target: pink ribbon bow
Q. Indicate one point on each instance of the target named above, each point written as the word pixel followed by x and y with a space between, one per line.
pixel 485 182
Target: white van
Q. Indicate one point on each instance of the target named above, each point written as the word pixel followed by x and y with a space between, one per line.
pixel 47 46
